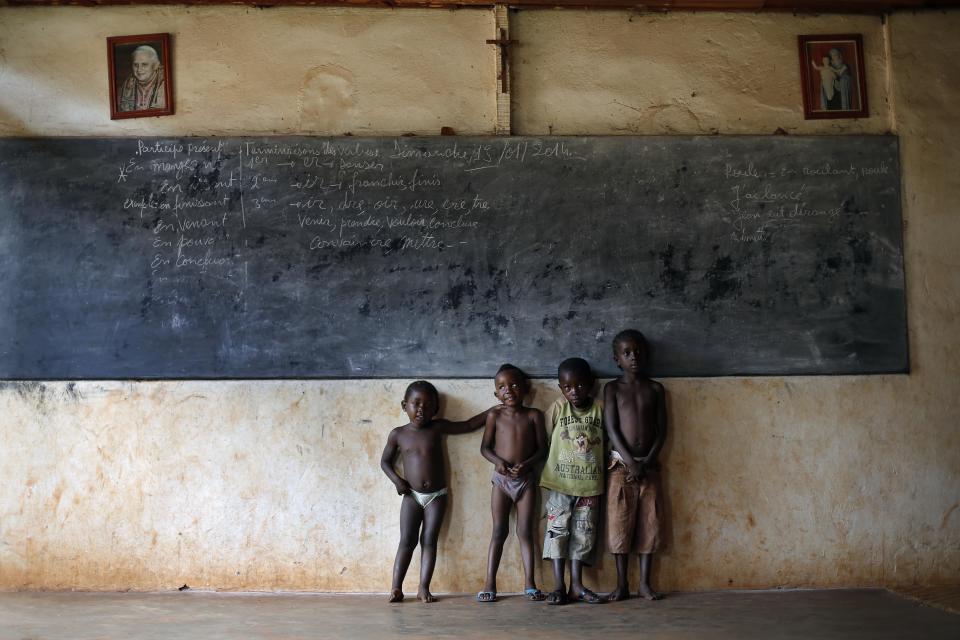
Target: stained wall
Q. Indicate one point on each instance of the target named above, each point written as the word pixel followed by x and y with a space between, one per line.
pixel 270 485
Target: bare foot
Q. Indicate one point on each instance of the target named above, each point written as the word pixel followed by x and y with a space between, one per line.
pixel 621 593
pixel 425 596
pixel 396 595
pixel 649 594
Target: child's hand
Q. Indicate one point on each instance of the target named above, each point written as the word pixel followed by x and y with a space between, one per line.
pixel 518 470
pixel 403 487
pixel 503 468
pixel 635 470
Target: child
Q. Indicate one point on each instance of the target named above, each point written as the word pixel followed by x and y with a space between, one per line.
pixel 827 78
pixel 636 424
pixel 514 441
pixel 424 490
pixel 573 476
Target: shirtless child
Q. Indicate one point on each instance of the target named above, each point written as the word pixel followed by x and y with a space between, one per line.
pixel 514 441
pixel 635 418
pixel 424 490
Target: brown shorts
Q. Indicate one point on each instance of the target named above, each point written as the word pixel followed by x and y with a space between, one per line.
pixel 633 512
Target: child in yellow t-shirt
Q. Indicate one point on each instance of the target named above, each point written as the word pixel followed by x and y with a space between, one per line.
pixel 573 476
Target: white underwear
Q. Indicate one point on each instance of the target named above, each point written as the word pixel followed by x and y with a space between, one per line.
pixel 423 499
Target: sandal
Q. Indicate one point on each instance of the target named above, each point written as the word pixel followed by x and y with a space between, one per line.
pixel 534 594
pixel 557 597
pixel 589 597
pixel 487 596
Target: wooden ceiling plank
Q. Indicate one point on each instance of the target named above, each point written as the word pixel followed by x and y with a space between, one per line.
pixel 797 6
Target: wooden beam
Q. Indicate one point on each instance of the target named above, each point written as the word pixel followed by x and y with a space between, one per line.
pixel 796 6
pixel 503 125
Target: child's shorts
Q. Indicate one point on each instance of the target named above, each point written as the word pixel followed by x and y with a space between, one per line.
pixel 571 527
pixel 633 512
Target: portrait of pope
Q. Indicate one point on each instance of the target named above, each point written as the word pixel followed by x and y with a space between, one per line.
pixel 145 87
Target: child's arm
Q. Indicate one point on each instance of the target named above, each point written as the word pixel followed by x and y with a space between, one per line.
pixel 651 458
pixel 611 424
pixel 456 428
pixel 386 463
pixel 486 446
pixel 542 448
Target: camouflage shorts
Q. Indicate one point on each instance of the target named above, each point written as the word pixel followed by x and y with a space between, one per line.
pixel 571 527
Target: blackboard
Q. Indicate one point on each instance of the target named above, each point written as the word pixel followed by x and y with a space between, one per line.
pixel 444 257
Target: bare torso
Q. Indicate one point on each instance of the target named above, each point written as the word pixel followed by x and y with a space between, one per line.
pixel 515 435
pixel 421 450
pixel 637 408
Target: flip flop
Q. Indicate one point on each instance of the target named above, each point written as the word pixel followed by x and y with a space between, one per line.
pixel 557 597
pixel 534 594
pixel 487 596
pixel 589 597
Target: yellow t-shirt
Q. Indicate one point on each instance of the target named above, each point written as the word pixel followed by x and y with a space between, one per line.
pixel 575 462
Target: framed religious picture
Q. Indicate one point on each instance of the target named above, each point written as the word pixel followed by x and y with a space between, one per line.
pixel 834 84
pixel 140 82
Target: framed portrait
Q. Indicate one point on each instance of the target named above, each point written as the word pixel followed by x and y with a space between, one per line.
pixel 140 78
pixel 834 83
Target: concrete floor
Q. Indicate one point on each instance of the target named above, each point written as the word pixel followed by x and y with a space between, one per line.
pixel 872 614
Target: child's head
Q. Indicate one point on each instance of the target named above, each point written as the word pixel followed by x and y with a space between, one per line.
pixel 630 350
pixel 575 379
pixel 826 60
pixel 510 385
pixel 421 402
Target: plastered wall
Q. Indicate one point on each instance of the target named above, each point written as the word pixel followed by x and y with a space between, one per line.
pixel 268 485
